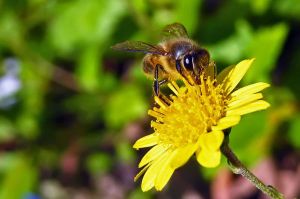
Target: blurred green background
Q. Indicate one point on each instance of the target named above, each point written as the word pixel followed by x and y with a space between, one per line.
pixel 70 107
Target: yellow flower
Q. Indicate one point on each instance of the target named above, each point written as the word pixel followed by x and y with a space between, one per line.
pixel 192 120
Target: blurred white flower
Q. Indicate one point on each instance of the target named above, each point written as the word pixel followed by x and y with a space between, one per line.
pixel 10 83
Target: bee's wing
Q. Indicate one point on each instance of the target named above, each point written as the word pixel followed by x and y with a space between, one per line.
pixel 174 30
pixel 139 46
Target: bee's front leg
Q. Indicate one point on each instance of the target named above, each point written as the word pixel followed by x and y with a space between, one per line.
pixel 180 69
pixel 157 83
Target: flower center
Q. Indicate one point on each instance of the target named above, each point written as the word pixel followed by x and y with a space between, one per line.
pixel 183 117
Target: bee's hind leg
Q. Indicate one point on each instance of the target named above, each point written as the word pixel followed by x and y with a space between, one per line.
pixel 157 83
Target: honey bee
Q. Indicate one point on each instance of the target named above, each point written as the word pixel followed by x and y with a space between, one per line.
pixel 173 59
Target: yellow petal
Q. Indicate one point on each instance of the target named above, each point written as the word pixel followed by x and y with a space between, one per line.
pixel 141 172
pixel 183 154
pixel 164 177
pixel 237 74
pixel 174 88
pixel 209 159
pixel 242 100
pixel 252 107
pixel 224 73
pixel 155 114
pixel 250 89
pixel 152 171
pixel 146 141
pixel 161 103
pixel 165 172
pixel 152 154
pixel 211 141
pixel 227 122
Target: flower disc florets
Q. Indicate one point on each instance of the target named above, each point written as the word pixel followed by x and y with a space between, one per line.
pixel 192 111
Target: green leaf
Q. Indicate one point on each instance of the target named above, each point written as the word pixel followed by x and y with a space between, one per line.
pixel 35 78
pixel 19 179
pixel 260 6
pixel 80 23
pixel 191 19
pixel 124 105
pixel 88 69
pixel 7 129
pixel 125 152
pixel 246 137
pixel 138 194
pixel 232 49
pixel 266 46
pixel 288 8
pixel 98 163
pixel 140 7
pixel 162 16
pixel 10 31
pixel 294 132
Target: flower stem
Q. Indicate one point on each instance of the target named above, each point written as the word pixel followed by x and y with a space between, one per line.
pixel 238 168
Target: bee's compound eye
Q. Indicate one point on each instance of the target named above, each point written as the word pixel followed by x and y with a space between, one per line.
pixel 188 62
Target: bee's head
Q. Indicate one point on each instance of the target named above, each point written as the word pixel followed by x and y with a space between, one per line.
pixel 190 56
